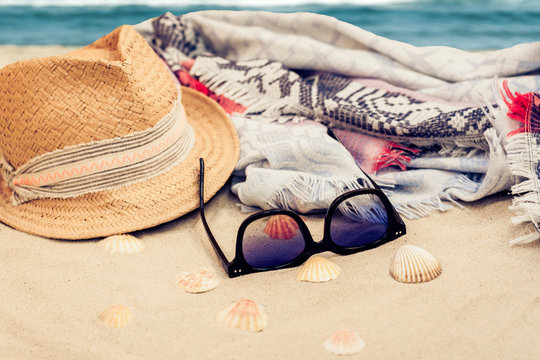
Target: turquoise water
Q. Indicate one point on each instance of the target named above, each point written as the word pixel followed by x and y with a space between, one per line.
pixel 473 24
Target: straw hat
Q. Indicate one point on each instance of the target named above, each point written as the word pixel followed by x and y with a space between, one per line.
pixel 109 90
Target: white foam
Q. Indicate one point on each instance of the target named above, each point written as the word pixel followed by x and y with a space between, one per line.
pixel 181 3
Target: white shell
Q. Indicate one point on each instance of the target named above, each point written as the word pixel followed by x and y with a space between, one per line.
pixel 318 269
pixel 344 342
pixel 116 316
pixel 244 314
pixel 123 244
pixel 412 264
pixel 197 281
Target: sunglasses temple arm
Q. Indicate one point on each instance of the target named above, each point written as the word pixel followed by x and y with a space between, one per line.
pixel 334 136
pixel 370 179
pixel 224 261
pixel 396 214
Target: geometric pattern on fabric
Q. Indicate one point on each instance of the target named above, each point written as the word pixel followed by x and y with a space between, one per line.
pixel 267 88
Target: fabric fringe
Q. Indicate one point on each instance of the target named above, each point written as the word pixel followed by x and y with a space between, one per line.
pixel 523 157
pixel 417 209
pixel 462 182
pixel 525 239
pixel 266 106
pixel 518 108
pixel 306 189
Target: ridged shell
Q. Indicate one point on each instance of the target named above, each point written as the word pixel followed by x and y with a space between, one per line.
pixel 412 264
pixel 318 269
pixel 197 281
pixel 116 316
pixel 244 314
pixel 281 227
pixel 344 342
pixel 123 244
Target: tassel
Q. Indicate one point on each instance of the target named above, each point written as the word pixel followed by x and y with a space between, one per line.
pixel 519 108
pixel 394 154
pixel 373 154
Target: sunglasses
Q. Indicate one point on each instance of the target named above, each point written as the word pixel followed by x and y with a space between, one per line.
pixel 356 220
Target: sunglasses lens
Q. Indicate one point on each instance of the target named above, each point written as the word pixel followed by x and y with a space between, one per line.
pixel 272 241
pixel 358 221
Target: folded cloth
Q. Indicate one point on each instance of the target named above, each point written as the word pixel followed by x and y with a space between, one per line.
pixel 306 41
pixel 274 67
pixel 295 166
pixel 430 176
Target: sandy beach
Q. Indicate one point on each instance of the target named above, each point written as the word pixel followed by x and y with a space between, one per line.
pixel 484 305
pixel 12 53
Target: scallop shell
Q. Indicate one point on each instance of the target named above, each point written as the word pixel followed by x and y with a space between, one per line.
pixel 344 342
pixel 281 227
pixel 244 314
pixel 116 316
pixel 318 269
pixel 412 264
pixel 123 244
pixel 197 281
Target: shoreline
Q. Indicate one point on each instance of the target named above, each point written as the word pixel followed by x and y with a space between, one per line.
pixel 13 53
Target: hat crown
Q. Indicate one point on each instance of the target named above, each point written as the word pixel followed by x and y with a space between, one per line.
pixel 108 89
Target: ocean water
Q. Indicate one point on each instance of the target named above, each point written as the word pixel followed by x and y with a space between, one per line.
pixel 465 24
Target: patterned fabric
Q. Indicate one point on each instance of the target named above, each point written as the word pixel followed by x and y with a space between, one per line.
pixel 421 104
pixel 269 90
pixel 103 165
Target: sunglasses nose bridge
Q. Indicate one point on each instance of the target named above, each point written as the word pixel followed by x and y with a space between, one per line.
pixel 315 248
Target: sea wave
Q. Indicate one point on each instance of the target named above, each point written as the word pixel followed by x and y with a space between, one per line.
pixel 465 24
pixel 250 3
pixel 182 3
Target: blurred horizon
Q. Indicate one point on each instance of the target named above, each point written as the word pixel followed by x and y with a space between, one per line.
pixel 465 24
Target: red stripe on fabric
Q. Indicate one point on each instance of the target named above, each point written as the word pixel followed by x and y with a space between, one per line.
pixel 230 106
pixel 519 108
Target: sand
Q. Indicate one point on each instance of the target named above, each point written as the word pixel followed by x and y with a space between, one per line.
pixel 485 305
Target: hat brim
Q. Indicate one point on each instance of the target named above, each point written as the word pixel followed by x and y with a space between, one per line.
pixel 144 204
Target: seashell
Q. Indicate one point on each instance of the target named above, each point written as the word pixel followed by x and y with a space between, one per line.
pixel 116 316
pixel 244 314
pixel 318 269
pixel 123 244
pixel 412 264
pixel 344 342
pixel 281 227
pixel 197 281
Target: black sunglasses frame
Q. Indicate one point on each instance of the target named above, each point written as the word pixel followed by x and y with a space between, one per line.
pixel 239 266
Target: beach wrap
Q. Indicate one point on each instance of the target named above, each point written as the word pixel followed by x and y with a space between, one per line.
pixel 429 122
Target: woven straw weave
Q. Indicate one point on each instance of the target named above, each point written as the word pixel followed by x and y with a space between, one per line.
pixel 110 88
